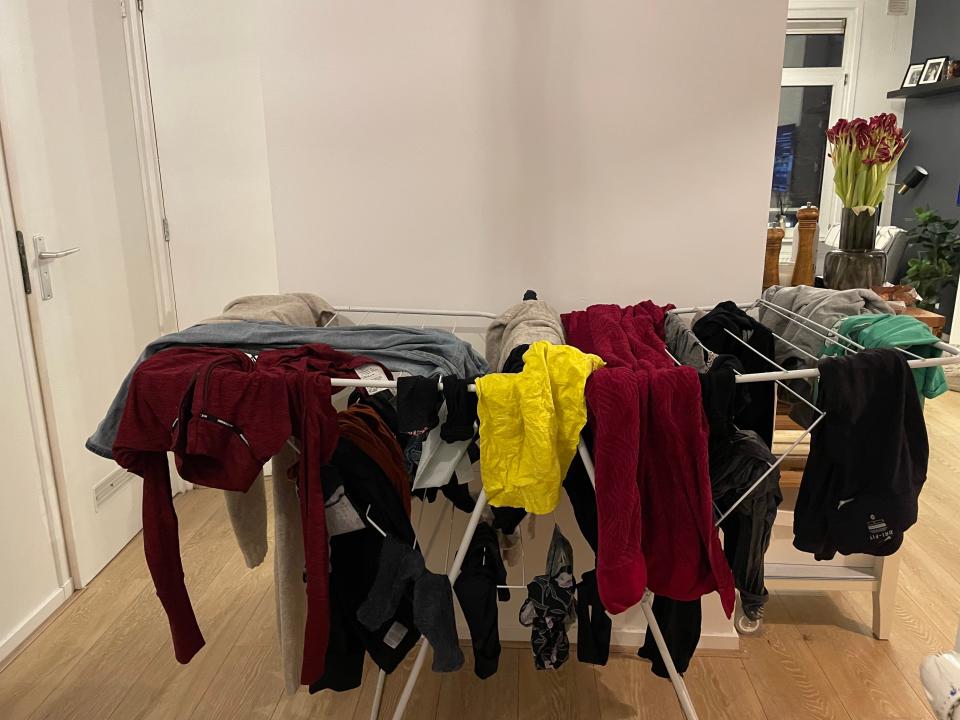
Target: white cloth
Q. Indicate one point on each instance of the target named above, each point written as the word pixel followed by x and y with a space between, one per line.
pixel 439 459
pixel 885 235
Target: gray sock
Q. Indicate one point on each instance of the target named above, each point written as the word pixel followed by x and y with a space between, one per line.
pixel 398 565
pixel 433 616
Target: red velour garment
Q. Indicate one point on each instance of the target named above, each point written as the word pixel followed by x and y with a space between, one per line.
pixel 654 502
pixel 224 415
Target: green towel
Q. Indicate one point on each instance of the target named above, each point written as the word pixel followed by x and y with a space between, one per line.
pixel 892 331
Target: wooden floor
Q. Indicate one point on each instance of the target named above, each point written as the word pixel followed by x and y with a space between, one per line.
pixel 107 656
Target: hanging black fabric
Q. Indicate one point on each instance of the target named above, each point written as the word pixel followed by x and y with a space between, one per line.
pixel 679 622
pixel 353 564
pixel 477 593
pixel 868 458
pixel 593 623
pixel 713 330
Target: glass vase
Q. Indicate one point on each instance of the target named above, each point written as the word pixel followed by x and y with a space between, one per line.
pixel 848 269
pixel 857 264
pixel 858 231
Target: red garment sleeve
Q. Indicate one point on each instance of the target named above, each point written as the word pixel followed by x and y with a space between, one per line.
pixel 161 545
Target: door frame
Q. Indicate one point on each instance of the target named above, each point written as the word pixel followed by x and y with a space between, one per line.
pixel 150 177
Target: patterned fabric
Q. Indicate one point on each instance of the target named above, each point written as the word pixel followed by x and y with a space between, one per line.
pixel 550 601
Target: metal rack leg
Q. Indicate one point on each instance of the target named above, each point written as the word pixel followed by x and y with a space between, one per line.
pixel 686 704
pixel 451 575
pixel 378 695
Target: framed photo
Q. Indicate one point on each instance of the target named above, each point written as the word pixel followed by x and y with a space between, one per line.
pixel 912 78
pixel 932 70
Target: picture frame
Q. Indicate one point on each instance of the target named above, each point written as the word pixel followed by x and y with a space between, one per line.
pixel 932 70
pixel 913 75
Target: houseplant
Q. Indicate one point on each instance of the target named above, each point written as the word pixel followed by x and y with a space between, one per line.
pixel 933 273
pixel 863 152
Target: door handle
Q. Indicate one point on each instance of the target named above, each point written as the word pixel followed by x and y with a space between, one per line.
pixel 44 256
pixel 53 255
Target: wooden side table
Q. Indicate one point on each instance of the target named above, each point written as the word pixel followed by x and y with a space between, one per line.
pixel 932 319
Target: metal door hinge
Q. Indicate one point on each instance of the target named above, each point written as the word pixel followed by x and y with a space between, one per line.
pixel 166 231
pixel 140 6
pixel 24 268
pixel 123 8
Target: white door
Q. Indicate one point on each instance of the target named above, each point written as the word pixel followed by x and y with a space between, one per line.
pixel 71 154
pixel 32 560
pixel 208 111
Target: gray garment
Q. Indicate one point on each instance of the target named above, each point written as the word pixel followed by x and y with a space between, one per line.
pixel 521 324
pixel 683 344
pixel 819 305
pixel 297 309
pixel 248 516
pixel 288 563
pixel 822 306
pixel 410 350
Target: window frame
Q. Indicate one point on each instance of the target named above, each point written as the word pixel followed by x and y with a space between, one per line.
pixel 843 81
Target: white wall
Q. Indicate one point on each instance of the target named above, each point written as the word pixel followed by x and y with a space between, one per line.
pixel 885 42
pixel 457 153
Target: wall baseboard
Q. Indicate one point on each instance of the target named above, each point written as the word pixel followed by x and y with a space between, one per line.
pixel 22 633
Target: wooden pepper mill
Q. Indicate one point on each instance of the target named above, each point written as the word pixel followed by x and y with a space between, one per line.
pixel 771 261
pixel 806 239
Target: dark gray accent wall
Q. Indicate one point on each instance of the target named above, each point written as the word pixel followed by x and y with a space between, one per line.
pixel 934 123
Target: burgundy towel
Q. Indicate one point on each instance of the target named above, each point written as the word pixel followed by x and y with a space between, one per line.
pixel 654 503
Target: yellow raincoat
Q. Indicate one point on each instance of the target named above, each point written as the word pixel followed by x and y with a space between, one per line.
pixel 530 424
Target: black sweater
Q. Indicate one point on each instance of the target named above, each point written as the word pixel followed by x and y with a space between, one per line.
pixel 868 458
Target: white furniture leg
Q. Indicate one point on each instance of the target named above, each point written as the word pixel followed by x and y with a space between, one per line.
pixel 451 576
pixel 378 695
pixel 884 597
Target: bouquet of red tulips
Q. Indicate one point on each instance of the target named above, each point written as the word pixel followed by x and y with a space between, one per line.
pixel 863 152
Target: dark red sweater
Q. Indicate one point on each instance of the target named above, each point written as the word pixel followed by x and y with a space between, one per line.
pixel 654 503
pixel 225 415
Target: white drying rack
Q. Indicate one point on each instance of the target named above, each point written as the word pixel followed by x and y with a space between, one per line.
pixel 780 376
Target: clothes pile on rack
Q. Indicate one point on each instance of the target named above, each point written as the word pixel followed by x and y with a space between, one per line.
pixel 655 429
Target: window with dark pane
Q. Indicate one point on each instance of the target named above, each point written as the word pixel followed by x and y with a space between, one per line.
pixel 818 50
pixel 800 150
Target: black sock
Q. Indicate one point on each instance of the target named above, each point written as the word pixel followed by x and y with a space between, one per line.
pixel 476 589
pixel 679 622
pixel 418 405
pixel 433 615
pixel 593 623
pixel 461 410
pixel 398 565
pixel 459 495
